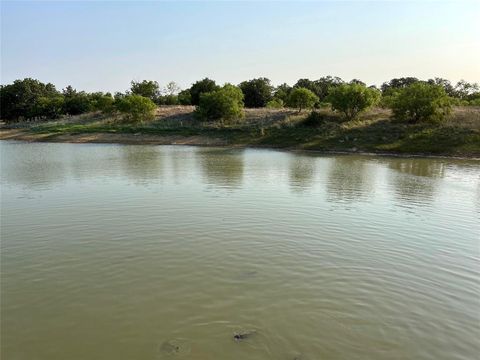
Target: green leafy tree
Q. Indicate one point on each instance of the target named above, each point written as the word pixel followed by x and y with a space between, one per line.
pixel 302 98
pixel 184 97
pixel 76 102
pixel 464 89
pixel 307 84
pixel 137 108
pixel 51 107
pixel 390 87
pixel 356 81
pixel 256 92
pixel 420 102
pixel 320 87
pixel 20 99
pixel 447 85
pixel 200 87
pixel 225 103
pixel 325 84
pixel 282 92
pixel 146 88
pixel 352 99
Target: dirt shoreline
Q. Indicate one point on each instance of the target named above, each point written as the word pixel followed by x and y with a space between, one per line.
pixel 194 140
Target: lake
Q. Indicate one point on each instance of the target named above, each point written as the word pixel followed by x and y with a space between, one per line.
pixel 163 252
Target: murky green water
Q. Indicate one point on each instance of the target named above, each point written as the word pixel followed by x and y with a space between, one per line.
pixel 146 252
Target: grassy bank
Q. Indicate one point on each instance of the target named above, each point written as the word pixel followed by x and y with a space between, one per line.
pixel 374 131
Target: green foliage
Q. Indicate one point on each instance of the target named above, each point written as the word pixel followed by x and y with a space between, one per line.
pixel 358 82
pixel 146 88
pixel 302 98
pixel 21 99
pixel 167 100
pixel 136 108
pixel 51 107
pixel 76 102
pixel 351 99
pixel 184 97
pixel 275 103
pixel 225 103
pixel 314 119
pixel 104 103
pixel 257 92
pixel 447 86
pixel 200 87
pixel 282 92
pixel 388 88
pixel 320 87
pixel 464 90
pixel 420 102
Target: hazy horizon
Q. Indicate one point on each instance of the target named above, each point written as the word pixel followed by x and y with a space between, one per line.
pixel 102 46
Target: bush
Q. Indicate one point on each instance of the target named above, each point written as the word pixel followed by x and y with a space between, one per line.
pixel 352 99
pixel 223 104
pixel 275 103
pixel 105 104
pixel 314 119
pixel 421 101
pixel 137 108
pixel 256 92
pixel 201 87
pixel 302 98
pixel 167 100
pixel 184 97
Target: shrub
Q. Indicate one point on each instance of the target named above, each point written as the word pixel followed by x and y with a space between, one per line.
pixel 314 119
pixel 275 103
pixel 421 101
pixel 167 100
pixel 302 98
pixel 223 104
pixel 352 99
pixel 200 87
pixel 184 97
pixel 105 104
pixel 256 92
pixel 137 108
pixel 474 102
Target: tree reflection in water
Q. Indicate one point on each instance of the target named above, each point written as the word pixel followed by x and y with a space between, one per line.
pixel 349 179
pixel 222 167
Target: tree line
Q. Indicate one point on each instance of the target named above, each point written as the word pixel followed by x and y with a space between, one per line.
pixel 409 98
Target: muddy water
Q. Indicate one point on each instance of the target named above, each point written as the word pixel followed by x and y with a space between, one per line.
pixel 163 252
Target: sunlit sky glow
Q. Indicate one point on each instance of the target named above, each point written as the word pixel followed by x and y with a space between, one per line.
pixel 104 45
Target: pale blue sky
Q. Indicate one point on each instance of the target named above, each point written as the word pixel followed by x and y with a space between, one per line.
pixel 103 45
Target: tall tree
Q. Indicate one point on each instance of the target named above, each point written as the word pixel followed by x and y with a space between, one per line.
pixel 257 92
